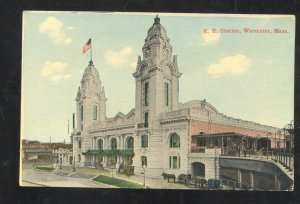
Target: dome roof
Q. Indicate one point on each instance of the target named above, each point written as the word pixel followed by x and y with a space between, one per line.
pixel 90 70
pixel 157 30
pixel 90 80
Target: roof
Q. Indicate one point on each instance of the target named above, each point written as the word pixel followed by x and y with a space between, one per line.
pixel 198 103
pixel 222 134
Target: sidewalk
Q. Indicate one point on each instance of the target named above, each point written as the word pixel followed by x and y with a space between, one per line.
pixel 158 183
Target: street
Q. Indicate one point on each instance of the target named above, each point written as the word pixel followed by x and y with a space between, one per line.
pixel 32 177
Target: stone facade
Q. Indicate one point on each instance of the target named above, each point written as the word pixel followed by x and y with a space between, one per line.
pixel 159 129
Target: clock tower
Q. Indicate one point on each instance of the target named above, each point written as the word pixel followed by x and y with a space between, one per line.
pixel 157 77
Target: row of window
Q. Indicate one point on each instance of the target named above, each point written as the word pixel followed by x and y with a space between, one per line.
pixel 114 144
pixel 146 93
pixel 174 142
pixel 174 162
pixel 95 112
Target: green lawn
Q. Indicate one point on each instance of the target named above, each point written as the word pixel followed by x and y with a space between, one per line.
pixel 44 168
pixel 117 182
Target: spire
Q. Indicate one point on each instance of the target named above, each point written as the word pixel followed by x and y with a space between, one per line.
pixel 156 20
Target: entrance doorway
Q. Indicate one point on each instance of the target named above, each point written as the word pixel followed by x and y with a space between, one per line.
pixel 198 169
pixel 71 160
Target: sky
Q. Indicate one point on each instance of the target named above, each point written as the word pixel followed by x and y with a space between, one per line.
pixel 249 76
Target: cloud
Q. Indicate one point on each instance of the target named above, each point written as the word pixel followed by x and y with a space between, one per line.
pixel 55 70
pixel 70 28
pixel 210 38
pixel 234 65
pixel 53 27
pixel 51 68
pixel 118 58
pixel 56 78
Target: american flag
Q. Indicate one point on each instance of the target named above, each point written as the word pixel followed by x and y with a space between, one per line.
pixel 86 46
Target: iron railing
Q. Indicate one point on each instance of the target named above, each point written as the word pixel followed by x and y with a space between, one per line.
pixel 111 152
pixel 284 158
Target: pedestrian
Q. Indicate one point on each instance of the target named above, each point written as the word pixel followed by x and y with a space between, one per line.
pixel 244 152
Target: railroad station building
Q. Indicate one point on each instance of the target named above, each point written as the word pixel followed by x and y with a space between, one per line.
pixel 160 133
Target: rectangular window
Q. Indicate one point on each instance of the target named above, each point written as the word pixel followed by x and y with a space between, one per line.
pixel 81 113
pixel 144 141
pixel 73 120
pixel 95 112
pixel 166 94
pixel 146 94
pixel 79 144
pixel 146 117
pixel 174 162
pixel 144 160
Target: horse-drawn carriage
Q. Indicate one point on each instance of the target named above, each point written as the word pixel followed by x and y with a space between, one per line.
pixel 187 179
pixel 127 170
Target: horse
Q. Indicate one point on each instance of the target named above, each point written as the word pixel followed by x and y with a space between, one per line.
pixel 171 176
pixel 203 183
pixel 168 176
pixel 197 181
pixel 164 175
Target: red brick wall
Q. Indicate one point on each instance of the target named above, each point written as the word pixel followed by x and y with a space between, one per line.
pixel 198 126
pixel 202 126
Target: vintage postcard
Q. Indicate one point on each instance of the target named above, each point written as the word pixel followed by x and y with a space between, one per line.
pixel 157 100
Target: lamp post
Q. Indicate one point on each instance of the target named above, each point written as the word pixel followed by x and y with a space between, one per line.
pixel 73 155
pixel 291 133
pixel 144 167
pixel 269 134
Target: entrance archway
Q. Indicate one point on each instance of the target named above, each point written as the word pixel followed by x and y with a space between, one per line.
pixel 71 159
pixel 198 169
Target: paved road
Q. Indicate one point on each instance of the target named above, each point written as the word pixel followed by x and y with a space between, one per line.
pixel 32 177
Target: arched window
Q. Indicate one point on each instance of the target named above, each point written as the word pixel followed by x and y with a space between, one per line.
pixel 174 140
pixel 129 143
pixel 100 144
pixel 113 143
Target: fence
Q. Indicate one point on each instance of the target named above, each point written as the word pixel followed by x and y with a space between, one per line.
pixel 284 158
